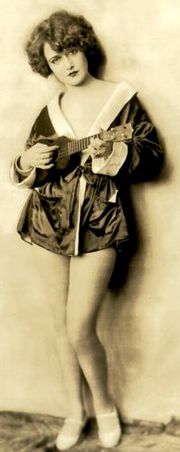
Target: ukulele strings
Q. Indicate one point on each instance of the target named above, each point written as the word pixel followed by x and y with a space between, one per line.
pixel 76 146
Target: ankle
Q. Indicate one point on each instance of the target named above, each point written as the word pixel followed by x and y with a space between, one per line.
pixel 103 407
pixel 79 414
pixel 76 410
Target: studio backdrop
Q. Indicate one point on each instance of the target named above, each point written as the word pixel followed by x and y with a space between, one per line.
pixel 139 325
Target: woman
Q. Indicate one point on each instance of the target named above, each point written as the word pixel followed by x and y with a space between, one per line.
pixel 75 207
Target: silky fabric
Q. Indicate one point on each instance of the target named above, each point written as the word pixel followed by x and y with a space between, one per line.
pixel 49 218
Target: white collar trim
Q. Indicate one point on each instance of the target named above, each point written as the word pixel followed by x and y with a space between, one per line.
pixel 121 95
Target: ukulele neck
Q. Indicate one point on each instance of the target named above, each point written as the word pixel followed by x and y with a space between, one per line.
pixel 75 146
pixel 119 133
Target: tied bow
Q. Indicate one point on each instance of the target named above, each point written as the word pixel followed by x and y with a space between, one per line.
pixel 82 170
pixel 74 177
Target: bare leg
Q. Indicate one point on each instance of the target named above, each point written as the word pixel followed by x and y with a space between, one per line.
pixel 89 278
pixel 71 372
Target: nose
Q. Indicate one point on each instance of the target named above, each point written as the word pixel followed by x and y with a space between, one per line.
pixel 68 62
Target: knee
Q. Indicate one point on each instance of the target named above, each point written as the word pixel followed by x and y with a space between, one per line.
pixel 81 336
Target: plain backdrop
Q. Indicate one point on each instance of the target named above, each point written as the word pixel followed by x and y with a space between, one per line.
pixel 139 326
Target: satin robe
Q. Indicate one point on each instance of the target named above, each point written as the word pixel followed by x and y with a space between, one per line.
pixel 74 211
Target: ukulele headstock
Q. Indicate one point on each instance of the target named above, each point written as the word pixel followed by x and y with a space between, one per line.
pixel 120 133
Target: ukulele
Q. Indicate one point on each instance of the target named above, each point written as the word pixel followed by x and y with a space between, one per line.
pixel 68 147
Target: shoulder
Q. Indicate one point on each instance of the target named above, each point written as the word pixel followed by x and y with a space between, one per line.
pixel 42 123
pixel 42 118
pixel 121 85
pixel 42 127
pixel 122 93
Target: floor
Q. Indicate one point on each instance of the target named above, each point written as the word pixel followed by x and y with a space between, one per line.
pixel 21 432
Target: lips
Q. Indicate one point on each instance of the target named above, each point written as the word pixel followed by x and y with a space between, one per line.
pixel 73 73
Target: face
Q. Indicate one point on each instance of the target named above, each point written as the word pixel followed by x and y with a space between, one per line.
pixel 70 68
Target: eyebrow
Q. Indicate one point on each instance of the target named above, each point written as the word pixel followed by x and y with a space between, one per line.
pixel 52 58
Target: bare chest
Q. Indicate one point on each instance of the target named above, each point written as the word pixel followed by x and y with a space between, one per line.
pixel 82 113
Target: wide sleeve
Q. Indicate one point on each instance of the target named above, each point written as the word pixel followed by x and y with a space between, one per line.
pixel 145 154
pixel 19 177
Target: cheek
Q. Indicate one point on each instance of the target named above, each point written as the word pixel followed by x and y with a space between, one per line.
pixel 56 70
pixel 85 64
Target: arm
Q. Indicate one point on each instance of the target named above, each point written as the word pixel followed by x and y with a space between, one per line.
pixel 32 166
pixel 145 154
pixel 141 157
pixel 24 177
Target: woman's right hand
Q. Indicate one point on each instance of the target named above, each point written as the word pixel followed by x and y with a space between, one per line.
pixel 38 156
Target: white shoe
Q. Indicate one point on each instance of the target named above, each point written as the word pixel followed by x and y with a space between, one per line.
pixel 70 433
pixel 109 428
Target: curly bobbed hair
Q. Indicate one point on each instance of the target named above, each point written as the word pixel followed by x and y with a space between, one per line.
pixel 64 31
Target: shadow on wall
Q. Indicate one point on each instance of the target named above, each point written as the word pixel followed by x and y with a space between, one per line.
pixel 135 242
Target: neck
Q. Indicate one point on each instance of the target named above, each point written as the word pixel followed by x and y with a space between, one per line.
pixel 89 82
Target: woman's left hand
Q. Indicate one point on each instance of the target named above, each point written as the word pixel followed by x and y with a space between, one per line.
pixel 100 148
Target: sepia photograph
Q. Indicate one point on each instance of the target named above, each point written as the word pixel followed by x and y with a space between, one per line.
pixel 90 247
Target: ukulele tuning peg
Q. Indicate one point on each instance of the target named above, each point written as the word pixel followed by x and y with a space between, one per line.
pixel 102 133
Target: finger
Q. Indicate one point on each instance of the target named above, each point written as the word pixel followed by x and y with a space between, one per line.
pixel 101 131
pixel 95 140
pixel 98 155
pixel 54 147
pixel 90 150
pixel 47 157
pixel 46 166
pixel 43 149
pixel 87 150
pixel 47 152
pixel 99 141
pixel 92 141
pixel 45 162
pixel 101 150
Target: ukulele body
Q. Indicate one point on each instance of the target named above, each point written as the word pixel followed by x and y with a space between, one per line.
pixel 61 162
pixel 61 156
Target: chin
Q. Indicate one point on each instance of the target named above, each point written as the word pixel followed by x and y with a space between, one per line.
pixel 78 81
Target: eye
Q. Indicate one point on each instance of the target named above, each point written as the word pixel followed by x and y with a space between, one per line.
pixel 56 59
pixel 73 52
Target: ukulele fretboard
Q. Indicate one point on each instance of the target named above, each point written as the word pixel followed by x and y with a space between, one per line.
pixel 79 145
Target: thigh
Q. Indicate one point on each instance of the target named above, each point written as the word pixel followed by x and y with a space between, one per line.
pixel 89 279
pixel 59 279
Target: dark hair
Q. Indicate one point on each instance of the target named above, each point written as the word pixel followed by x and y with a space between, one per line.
pixel 64 31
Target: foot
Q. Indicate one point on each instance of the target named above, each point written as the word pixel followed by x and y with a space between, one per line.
pixel 109 428
pixel 70 433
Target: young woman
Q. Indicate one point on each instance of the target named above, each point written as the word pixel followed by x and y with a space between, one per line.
pixel 75 207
